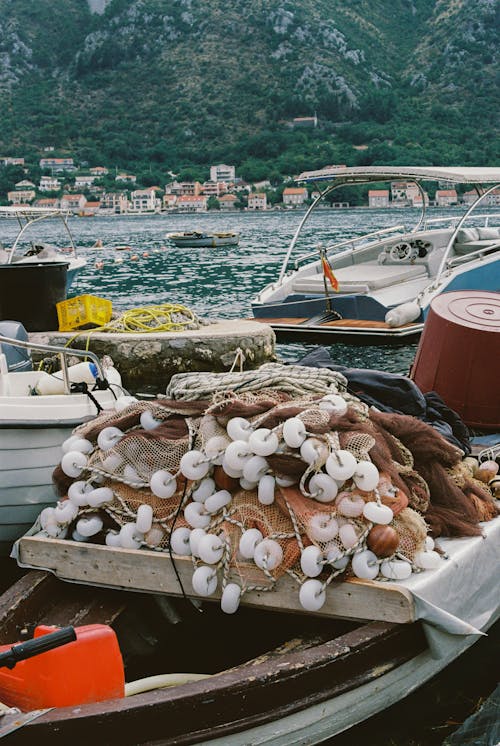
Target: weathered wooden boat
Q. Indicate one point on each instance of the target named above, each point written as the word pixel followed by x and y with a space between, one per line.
pixel 301 679
pixel 379 286
pixel 38 412
pixel 203 239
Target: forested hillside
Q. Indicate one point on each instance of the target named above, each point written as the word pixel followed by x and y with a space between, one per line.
pixel 178 84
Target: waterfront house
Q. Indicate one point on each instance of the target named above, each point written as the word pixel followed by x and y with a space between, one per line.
pixel 58 165
pixel 49 184
pixel 180 188
pixel 90 209
pixel 446 197
pixel 24 184
pixel 222 172
pixel 84 182
pixel 192 203
pixel 145 200
pixel 228 201
pixel 257 201
pixel 114 203
pixel 378 198
pixel 214 188
pixel 73 202
pixel 127 178
pixel 22 196
pixel 169 201
pixel 47 202
pixel 294 196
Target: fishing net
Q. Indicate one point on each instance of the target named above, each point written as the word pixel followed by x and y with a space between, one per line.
pixel 265 475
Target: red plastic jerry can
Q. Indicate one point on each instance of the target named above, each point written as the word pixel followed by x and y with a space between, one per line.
pixel 90 669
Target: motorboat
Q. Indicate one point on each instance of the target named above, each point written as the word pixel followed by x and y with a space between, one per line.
pixel 196 238
pixel 38 411
pixel 40 252
pixel 379 286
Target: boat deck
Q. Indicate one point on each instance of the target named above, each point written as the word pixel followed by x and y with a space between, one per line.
pixel 357 329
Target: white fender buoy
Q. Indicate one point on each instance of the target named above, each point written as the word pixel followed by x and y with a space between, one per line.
pixel 196 515
pixel 163 484
pixel 211 549
pixel 193 465
pixel 144 518
pixel 78 493
pixel 248 541
pixel 265 490
pixel 312 595
pixel 230 599
pixel 395 569
pixel 239 429
pixel 100 496
pixel 204 580
pixel 403 314
pixel 310 561
pixel 109 437
pixel 378 513
pixel 333 403
pixel 322 527
pixel 366 476
pixel 268 554
pixel 365 565
pixel 323 488
pixel 148 422
pixel 89 526
pixel 255 468
pixel 263 442
pixel 341 465
pixel 205 488
pixel 294 432
pixel 217 501
pixel 180 541
pixel 73 463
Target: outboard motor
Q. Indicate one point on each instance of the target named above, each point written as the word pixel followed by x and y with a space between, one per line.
pixel 18 358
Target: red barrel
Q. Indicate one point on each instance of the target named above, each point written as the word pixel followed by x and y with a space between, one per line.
pixel 459 355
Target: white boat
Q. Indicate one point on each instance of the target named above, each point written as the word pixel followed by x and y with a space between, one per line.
pixel 40 252
pixel 32 429
pixel 382 283
pixel 196 238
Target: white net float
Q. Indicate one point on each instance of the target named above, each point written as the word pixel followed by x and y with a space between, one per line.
pixel 123 402
pixel 348 535
pixel 100 496
pixel 66 445
pixel 148 422
pixel 78 493
pixel 154 536
pixel 73 463
pixel 350 505
pixel 230 599
pixel 196 515
pixel 131 474
pixel 323 488
pixel 294 432
pixel 378 513
pixel 204 580
pixel 234 473
pixel 428 560
pixel 282 481
pixel 65 511
pixel 205 488
pixel 217 501
pixel 310 561
pixel 263 442
pixel 336 558
pixel 366 476
pixel 144 518
pixel 195 535
pixel 333 403
pixel 237 454
pixel 180 541
pixel 248 541
pixel 341 465
pixel 312 595
pixel 322 527
pixel 268 554
pixel 75 536
pixel 255 468
pixel 130 537
pixel 239 429
pixel 83 445
pixel 313 450
pixel 245 484
pixel 89 526
pixel 215 447
pixel 365 565
pixel 395 569
pixel 193 465
pixel 112 539
pixel 265 490
pixel 109 437
pixel 112 463
pixel 163 484
pixel 211 549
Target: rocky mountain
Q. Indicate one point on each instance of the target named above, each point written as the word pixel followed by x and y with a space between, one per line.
pixel 179 83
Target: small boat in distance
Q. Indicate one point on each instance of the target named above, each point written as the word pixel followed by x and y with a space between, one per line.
pixel 383 282
pixel 197 238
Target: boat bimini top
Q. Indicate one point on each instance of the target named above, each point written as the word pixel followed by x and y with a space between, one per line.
pixel 28 216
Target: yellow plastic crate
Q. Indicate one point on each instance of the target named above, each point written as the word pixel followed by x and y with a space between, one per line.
pixel 83 312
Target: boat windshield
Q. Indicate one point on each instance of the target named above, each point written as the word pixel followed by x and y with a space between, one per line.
pixel 29 216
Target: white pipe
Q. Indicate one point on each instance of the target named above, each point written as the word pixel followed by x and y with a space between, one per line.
pixel 162 681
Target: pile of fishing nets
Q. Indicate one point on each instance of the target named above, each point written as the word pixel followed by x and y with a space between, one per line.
pixel 257 474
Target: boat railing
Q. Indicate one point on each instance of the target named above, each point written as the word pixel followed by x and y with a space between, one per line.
pixel 457 260
pixel 63 352
pixel 30 219
pixel 456 218
pixel 350 242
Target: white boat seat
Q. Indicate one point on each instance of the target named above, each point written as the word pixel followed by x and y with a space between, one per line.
pixel 362 278
pixel 467 248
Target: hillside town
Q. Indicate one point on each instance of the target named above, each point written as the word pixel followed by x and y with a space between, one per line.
pixel 85 191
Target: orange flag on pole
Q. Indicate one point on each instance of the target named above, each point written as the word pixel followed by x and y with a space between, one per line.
pixel 328 272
